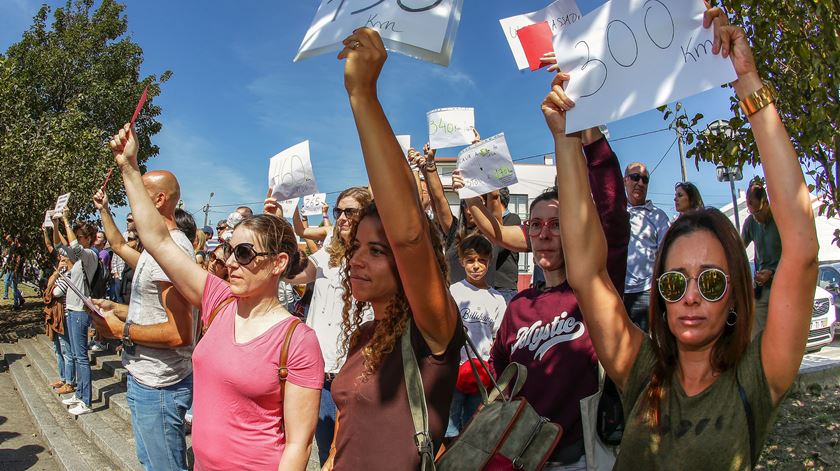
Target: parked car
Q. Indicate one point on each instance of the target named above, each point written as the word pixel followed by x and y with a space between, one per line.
pixel 823 320
pixel 829 280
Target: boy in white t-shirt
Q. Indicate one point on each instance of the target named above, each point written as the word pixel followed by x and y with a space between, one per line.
pixel 482 309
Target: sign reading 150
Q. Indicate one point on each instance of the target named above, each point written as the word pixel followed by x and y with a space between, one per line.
pixel 614 27
pixel 411 9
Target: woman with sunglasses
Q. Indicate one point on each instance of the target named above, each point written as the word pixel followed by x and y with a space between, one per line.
pixel 395 265
pixel 697 394
pixel 687 198
pixel 242 417
pixel 324 315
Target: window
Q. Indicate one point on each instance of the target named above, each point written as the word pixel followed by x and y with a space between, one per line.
pixel 828 276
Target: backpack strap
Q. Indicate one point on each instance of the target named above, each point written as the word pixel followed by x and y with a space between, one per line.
pixel 215 312
pixel 417 402
pixel 283 370
pixel 750 421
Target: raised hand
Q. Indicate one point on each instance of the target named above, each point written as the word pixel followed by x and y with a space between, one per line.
pixel 271 206
pixel 365 54
pixel 731 42
pixel 124 147
pixel 416 159
pixel 555 105
pixel 429 152
pixel 100 200
pixel 476 136
pixel 457 180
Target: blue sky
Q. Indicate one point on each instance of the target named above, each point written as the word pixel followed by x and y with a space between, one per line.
pixel 236 97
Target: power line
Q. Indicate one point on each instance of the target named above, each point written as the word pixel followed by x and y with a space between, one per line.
pixel 663 155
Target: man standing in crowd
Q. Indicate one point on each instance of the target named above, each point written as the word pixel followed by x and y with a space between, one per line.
pixel 13 267
pixel 157 340
pixel 760 229
pixel 506 277
pixel 648 225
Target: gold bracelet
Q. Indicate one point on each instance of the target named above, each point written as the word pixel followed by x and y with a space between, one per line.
pixel 758 99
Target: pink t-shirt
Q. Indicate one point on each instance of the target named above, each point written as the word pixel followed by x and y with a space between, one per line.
pixel 237 409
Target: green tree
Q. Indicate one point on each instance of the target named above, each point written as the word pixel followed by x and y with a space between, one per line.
pixel 64 90
pixel 796 44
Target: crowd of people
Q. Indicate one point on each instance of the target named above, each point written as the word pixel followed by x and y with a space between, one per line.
pixel 267 346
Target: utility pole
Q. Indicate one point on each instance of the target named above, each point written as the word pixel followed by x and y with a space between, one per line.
pixel 206 208
pixel 682 153
pixel 724 173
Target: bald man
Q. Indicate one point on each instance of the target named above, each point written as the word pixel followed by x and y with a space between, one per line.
pixel 156 329
pixel 648 225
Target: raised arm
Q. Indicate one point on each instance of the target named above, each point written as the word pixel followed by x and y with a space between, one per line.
pixel 616 339
pixel 47 242
pixel 185 274
pixel 306 232
pixel 791 296
pixel 114 236
pixel 440 205
pixel 509 237
pixel 405 225
pixel 57 237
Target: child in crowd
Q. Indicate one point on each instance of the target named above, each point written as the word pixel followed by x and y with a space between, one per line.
pixel 481 308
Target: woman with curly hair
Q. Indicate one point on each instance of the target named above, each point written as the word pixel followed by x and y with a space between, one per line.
pixel 698 393
pixel 395 265
pixel 324 316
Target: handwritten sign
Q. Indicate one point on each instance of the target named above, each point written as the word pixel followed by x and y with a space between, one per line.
pixel 289 206
pixel 290 173
pixel 423 29
pixel 405 143
pixel 558 16
pixel 486 166
pixel 631 56
pixel 313 204
pixel 450 127
pixel 61 203
pixel 48 219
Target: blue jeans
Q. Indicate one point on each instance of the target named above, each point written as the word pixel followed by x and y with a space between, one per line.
pixel 638 306
pixel 325 428
pixel 461 411
pixel 62 356
pixel 11 280
pixel 157 417
pixel 77 325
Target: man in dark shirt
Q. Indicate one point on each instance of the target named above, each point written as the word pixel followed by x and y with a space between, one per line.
pixel 507 261
pixel 760 229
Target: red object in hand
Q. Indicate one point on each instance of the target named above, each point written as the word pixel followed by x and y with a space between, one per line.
pixel 107 177
pixel 139 105
pixel 536 42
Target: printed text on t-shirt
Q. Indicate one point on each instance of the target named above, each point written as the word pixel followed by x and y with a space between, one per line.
pixel 540 338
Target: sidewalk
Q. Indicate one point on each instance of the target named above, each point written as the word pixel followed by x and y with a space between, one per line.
pixel 821 367
pixel 20 444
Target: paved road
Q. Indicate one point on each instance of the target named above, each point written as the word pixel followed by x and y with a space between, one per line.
pixel 20 445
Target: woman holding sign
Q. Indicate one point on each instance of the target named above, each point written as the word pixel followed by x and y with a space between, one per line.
pixel 697 394
pixel 257 373
pixel 395 265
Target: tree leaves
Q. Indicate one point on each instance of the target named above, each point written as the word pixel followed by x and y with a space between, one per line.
pixel 64 90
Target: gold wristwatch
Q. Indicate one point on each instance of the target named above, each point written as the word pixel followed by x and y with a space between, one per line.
pixel 758 99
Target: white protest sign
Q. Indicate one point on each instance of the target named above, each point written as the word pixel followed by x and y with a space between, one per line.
pixel 486 166
pixel 290 173
pixel 631 56
pixel 313 204
pixel 48 219
pixel 289 206
pixel 558 15
pixel 424 29
pixel 405 143
pixel 61 203
pixel 450 127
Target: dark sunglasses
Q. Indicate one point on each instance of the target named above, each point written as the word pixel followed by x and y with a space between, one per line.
pixel 638 176
pixel 243 253
pixel 348 212
pixel 711 283
pixel 535 226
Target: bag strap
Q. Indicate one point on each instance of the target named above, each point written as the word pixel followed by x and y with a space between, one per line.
pixel 215 312
pixel 417 402
pixel 283 370
pixel 513 369
pixel 750 420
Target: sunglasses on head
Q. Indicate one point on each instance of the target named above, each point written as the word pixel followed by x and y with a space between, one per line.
pixel 638 176
pixel 243 253
pixel 535 226
pixel 348 212
pixel 711 283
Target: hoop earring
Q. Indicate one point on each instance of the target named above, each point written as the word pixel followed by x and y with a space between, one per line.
pixel 732 319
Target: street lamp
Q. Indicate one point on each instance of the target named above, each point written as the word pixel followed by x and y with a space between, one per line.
pixel 206 207
pixel 729 174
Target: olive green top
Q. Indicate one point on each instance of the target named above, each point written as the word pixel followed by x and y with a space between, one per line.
pixel 702 432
